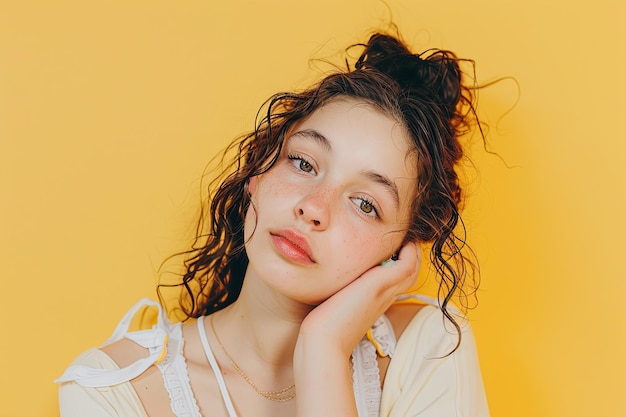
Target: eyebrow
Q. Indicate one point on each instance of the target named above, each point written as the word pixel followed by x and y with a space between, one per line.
pixel 385 182
pixel 317 136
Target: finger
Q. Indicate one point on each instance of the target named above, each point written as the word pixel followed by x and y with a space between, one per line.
pixel 409 259
pixel 406 266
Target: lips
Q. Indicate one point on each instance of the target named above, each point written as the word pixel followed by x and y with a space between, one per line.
pixel 293 246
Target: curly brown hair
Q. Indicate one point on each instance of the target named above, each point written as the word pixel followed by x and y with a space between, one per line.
pixel 424 92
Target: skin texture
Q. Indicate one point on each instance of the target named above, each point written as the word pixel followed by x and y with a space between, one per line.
pixel 334 207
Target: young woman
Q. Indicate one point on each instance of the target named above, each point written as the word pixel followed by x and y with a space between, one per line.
pixel 293 283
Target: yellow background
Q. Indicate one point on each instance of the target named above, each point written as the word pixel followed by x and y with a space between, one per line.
pixel 109 111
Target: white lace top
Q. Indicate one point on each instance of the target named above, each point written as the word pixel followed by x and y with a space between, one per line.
pixel 96 382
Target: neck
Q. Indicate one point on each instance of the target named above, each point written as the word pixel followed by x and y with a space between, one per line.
pixel 261 324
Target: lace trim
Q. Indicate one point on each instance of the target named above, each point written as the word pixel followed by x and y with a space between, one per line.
pixel 366 379
pixel 383 337
pixel 176 376
pixel 381 340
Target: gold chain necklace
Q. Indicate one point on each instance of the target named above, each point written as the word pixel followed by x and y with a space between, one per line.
pixel 280 395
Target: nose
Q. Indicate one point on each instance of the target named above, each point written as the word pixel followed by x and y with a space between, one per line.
pixel 314 209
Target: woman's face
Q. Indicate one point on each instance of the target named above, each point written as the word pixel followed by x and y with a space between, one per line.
pixel 335 204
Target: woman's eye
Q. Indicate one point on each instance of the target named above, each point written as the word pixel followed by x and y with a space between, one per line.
pixel 301 163
pixel 366 206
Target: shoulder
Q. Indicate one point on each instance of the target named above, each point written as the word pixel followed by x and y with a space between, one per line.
pixel 424 327
pixel 418 321
pixel 95 358
pixel 400 315
pixel 148 385
pixel 431 334
pixel 78 400
pixel 443 379
pixel 122 373
pixel 124 352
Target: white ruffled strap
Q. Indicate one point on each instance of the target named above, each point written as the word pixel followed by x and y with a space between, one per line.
pixel 382 336
pixel 379 341
pixel 154 340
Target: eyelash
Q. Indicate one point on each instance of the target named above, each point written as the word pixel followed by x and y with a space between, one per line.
pixel 364 200
pixel 302 159
pixel 293 157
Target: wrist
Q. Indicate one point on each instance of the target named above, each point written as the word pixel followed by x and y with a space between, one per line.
pixel 323 377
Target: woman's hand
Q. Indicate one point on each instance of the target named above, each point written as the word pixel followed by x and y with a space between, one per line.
pixel 345 317
pixel 329 333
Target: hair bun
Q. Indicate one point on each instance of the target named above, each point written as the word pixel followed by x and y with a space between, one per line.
pixel 434 74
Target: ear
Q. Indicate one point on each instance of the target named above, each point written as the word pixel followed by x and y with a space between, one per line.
pixel 252 183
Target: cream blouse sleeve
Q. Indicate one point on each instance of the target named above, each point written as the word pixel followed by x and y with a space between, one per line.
pixel 117 400
pixel 422 381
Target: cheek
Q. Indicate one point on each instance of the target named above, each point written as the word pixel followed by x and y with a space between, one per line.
pixel 266 197
pixel 358 245
pixel 361 251
pixel 272 189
